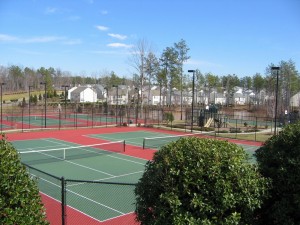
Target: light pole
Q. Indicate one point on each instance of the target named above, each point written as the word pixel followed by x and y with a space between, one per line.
pixel 1 84
pixel 137 106
pixel 65 86
pixel 276 68
pixel 117 99
pixel 106 105
pixel 45 97
pixel 29 104
pixel 193 87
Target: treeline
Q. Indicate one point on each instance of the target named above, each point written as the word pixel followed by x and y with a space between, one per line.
pixel 164 71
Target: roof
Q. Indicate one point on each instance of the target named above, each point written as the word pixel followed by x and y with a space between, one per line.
pixel 80 89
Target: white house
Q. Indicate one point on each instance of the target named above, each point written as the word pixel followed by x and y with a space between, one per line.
pixel 70 91
pixel 118 95
pixel 239 98
pixel 83 94
pixel 295 100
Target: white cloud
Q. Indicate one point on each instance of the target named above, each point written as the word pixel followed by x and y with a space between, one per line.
pixel 42 39
pixel 51 10
pixel 104 12
pixel 74 18
pixel 5 38
pixel 72 42
pixel 102 28
pixel 119 45
pixel 118 36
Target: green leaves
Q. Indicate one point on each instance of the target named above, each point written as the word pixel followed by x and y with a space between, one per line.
pixel 20 202
pixel 279 160
pixel 199 181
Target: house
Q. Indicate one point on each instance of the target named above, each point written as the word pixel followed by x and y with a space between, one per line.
pixel 83 94
pixel 239 98
pixel 70 91
pixel 118 95
pixel 220 99
pixel 295 100
pixel 101 92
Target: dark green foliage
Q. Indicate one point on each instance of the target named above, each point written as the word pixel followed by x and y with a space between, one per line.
pixel 169 117
pixel 199 181
pixel 20 202
pixel 279 159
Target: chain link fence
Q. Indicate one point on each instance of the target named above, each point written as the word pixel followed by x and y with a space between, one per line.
pixel 75 115
pixel 85 202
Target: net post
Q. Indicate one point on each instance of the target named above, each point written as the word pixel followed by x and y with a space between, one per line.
pixel 64 150
pixel 144 143
pixel 124 146
pixel 63 201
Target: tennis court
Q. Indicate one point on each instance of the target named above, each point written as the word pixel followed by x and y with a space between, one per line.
pixel 101 162
pixel 39 120
pixel 155 140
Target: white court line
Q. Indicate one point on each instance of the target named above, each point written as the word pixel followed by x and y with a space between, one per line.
pixel 108 178
pixel 98 203
pixel 39 147
pixel 86 167
pixel 108 155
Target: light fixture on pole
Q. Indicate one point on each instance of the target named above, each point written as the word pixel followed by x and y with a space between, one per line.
pixel 45 97
pixel 193 87
pixel 65 86
pixel 29 101
pixel 276 68
pixel 117 100
pixel 1 84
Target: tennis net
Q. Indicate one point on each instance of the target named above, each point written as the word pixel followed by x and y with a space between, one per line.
pixel 157 142
pixel 33 157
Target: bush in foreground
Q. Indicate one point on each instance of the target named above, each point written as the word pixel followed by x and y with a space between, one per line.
pixel 199 181
pixel 20 202
pixel 279 160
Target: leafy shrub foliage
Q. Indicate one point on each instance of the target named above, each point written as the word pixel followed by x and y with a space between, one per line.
pixel 279 159
pixel 199 181
pixel 20 202
pixel 168 116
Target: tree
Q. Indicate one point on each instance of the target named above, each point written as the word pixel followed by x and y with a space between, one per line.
pixel 169 63
pixel 182 50
pixel 279 160
pixel 199 181
pixel 138 62
pixel 151 69
pixel 258 85
pixel 17 76
pixel 20 202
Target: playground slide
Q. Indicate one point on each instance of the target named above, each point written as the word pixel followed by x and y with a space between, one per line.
pixel 208 123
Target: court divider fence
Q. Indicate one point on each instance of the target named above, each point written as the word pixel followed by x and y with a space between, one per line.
pixel 70 201
pixel 76 115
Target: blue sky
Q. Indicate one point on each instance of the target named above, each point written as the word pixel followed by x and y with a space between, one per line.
pixel 89 37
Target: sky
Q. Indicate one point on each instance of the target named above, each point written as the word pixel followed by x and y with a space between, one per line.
pixel 92 37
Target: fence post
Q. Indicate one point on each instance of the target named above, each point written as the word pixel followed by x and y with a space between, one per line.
pixel 236 128
pixel 63 201
pixel 255 129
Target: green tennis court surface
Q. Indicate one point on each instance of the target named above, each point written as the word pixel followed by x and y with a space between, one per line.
pixel 155 140
pixel 61 158
pixel 4 126
pixel 93 117
pixel 39 120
